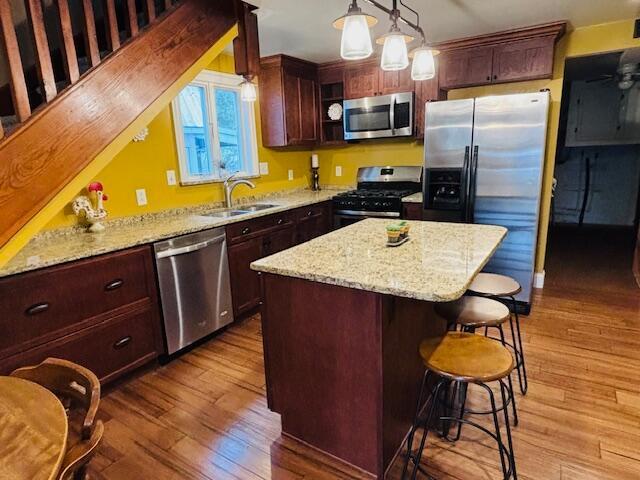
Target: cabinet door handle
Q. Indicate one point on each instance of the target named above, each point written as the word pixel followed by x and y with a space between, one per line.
pixel 114 284
pixel 280 221
pixel 123 342
pixel 495 77
pixel 245 230
pixel 309 213
pixel 488 78
pixel 37 308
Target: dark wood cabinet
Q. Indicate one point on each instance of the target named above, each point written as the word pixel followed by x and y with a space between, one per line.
pixel 511 56
pixel 523 60
pixel 288 102
pixel 395 82
pixel 101 312
pixel 467 67
pixel 312 222
pixel 361 81
pixel 245 283
pixel 412 211
pixel 253 239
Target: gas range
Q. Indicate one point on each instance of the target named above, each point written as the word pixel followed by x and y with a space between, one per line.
pixel 379 193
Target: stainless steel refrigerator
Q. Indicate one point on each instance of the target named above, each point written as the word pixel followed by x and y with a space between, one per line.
pixel 483 163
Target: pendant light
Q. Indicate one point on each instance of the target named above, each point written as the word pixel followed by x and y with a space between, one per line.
pixel 356 37
pixel 394 51
pixel 248 90
pixel 423 67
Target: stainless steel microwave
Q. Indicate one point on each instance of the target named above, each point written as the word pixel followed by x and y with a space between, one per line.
pixel 379 117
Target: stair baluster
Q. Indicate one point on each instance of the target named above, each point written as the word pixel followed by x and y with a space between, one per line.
pixel 41 44
pixel 113 35
pixel 68 46
pixel 133 18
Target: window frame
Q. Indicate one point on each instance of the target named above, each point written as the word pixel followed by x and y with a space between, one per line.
pixel 211 80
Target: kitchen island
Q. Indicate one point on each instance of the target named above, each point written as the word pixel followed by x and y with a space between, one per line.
pixel 342 319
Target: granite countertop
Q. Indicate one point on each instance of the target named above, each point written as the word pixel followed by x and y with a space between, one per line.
pixel 415 198
pixel 73 243
pixel 437 264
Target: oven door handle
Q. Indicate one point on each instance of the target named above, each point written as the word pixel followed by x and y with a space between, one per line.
pixel 366 213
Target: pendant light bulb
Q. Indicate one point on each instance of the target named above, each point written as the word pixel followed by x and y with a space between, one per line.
pixel 394 52
pixel 356 37
pixel 423 67
pixel 248 91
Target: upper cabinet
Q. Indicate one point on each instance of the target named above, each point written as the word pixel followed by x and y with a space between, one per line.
pixel 361 80
pixel 367 79
pixel 426 91
pixel 466 67
pixel 288 102
pixel 513 56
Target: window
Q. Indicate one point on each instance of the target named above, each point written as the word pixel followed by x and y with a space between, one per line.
pixel 215 131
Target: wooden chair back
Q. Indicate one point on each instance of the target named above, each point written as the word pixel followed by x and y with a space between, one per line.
pixel 78 456
pixel 74 385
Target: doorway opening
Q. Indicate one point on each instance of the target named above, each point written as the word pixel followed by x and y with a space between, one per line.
pixel 593 236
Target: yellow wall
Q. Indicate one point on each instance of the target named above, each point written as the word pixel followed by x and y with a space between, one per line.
pixel 144 165
pixel 582 41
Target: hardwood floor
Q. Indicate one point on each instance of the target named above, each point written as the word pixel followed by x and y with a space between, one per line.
pixel 204 415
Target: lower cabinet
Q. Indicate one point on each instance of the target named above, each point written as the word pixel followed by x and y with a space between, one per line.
pixel 101 313
pixel 264 236
pixel 412 211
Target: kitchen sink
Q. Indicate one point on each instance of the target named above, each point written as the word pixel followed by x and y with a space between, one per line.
pixel 225 213
pixel 257 207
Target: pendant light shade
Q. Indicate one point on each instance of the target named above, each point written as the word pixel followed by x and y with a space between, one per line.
pixel 423 67
pixel 356 37
pixel 394 52
pixel 248 91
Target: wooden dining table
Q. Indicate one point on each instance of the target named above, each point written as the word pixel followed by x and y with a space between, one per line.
pixel 33 431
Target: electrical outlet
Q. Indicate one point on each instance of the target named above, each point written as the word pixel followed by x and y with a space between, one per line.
pixel 264 168
pixel 338 171
pixel 171 177
pixel 290 174
pixel 141 197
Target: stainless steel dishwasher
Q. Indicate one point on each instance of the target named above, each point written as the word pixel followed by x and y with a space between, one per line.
pixel 195 289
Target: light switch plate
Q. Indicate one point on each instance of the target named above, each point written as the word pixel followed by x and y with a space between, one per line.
pixel 264 168
pixel 171 177
pixel 338 171
pixel 290 174
pixel 141 197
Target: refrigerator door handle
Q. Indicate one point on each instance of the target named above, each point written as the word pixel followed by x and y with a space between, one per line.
pixel 464 188
pixel 473 170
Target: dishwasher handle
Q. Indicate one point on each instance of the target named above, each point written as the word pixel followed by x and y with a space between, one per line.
pixel 172 252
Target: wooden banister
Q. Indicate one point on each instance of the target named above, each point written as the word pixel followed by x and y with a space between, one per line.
pixel 151 10
pixel 68 46
pixel 90 36
pixel 132 15
pixel 42 156
pixel 9 41
pixel 113 35
pixel 41 44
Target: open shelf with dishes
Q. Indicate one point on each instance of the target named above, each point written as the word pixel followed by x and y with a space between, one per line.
pixel 331 97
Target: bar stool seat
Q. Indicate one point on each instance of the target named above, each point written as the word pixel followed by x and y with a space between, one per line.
pixel 474 312
pixel 494 285
pixel 467 357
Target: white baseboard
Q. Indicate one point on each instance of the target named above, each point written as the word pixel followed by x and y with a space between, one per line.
pixel 538 279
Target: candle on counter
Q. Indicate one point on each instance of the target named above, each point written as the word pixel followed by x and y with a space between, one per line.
pixel 314 161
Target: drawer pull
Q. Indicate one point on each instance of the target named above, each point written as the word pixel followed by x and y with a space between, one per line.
pixel 309 213
pixel 37 308
pixel 245 230
pixel 123 342
pixel 114 285
pixel 280 221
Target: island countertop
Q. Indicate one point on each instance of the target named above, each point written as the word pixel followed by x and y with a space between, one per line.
pixel 437 264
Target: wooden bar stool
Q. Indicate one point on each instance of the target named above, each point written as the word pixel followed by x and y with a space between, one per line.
pixel 463 358
pixel 471 313
pixel 493 285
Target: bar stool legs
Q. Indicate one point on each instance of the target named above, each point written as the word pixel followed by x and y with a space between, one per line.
pixel 507 459
pixel 520 363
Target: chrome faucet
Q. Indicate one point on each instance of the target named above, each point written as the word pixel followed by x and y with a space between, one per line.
pixel 229 187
